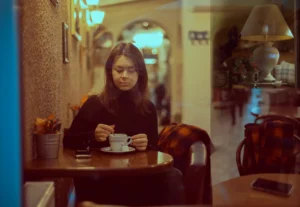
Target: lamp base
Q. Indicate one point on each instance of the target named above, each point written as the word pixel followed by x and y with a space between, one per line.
pixel 269 78
pixel 266 57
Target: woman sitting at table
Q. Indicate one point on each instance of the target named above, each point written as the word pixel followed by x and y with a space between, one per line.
pixel 122 107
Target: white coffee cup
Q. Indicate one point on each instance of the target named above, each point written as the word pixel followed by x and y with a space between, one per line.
pixel 117 141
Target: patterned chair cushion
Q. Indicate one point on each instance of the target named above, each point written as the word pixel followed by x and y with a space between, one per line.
pixel 176 139
pixel 269 147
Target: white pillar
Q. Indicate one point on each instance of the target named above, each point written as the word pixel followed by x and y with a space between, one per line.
pixel 196 85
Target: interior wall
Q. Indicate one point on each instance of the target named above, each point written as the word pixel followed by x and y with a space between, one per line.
pixel 196 87
pixel 118 16
pixel 49 84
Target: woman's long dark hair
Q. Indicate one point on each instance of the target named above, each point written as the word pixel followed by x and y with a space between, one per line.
pixel 138 94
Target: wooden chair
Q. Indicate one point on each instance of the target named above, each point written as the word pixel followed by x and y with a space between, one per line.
pixel 241 169
pixel 277 117
pixel 262 119
pixel 194 178
pixel 190 149
pixel 289 119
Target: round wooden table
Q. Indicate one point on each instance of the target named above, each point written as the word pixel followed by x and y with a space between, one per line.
pixel 134 163
pixel 238 191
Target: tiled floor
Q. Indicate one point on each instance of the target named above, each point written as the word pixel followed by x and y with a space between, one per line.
pixel 226 138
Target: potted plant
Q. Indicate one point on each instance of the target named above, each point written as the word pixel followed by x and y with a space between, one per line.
pixel 243 69
pixel 251 70
pixel 47 136
pixel 75 108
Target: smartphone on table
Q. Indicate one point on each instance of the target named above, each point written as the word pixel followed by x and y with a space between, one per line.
pixel 271 186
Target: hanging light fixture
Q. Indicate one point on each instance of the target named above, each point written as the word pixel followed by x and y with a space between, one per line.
pixel 92 2
pixel 88 18
pixel 85 4
pixel 97 16
pixel 94 17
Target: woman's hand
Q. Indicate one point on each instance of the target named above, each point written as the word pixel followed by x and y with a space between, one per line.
pixel 140 141
pixel 102 131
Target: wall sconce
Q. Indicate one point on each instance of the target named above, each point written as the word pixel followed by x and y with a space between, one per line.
pixel 85 4
pixel 97 16
pixel 94 17
pixel 92 2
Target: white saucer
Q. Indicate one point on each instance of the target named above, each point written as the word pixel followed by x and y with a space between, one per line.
pixel 108 150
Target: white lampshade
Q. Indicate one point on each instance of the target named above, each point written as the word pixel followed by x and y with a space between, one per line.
pixel 266 23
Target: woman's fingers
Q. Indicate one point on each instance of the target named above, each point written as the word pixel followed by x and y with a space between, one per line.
pixel 139 136
pixel 142 142
pixel 101 134
pixel 101 138
pixel 110 129
pixel 141 148
pixel 141 145
pixel 102 131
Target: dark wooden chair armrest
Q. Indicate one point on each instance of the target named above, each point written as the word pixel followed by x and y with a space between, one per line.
pixel 198 154
pixel 196 173
pixel 269 117
pixel 238 158
pixel 293 120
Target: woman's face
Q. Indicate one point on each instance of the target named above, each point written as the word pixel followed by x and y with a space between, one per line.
pixel 124 73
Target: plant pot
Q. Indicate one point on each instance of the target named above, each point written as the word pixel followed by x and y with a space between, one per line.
pixel 47 145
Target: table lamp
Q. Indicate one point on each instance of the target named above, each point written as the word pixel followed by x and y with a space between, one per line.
pixel 266 24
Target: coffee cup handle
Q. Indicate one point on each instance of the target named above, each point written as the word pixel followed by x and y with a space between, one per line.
pixel 130 140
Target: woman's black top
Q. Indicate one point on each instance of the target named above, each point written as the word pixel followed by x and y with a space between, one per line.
pixel 127 121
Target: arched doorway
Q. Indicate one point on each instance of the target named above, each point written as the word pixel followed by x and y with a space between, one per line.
pixel 155 45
